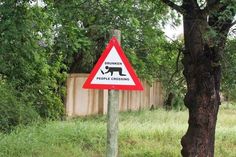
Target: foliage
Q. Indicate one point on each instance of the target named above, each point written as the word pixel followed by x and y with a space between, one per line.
pixel 229 71
pixel 14 111
pixel 84 29
pixel 167 66
pixel 162 62
pixel 143 41
pixel 146 133
pixel 41 44
pixel 26 60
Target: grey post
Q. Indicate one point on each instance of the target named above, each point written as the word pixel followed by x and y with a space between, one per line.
pixel 112 114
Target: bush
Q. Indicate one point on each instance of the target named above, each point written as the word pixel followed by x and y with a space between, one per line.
pixel 49 106
pixel 13 111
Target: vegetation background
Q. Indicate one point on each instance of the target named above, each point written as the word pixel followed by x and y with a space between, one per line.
pixel 42 43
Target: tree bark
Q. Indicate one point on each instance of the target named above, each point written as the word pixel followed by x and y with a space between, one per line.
pixel 202 69
pixel 203 83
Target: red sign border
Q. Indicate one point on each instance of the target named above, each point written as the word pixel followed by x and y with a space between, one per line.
pixel 113 42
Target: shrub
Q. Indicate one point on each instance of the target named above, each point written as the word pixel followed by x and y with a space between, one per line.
pixel 13 110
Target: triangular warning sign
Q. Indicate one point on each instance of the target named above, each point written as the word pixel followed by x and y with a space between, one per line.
pixel 113 71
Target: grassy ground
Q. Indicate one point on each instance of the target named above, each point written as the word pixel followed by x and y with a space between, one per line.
pixel 142 134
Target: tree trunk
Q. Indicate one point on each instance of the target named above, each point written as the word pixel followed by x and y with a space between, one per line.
pixel 202 70
pixel 203 82
pixel 202 100
pixel 168 103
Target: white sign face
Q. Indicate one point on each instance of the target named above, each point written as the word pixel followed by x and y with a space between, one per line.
pixel 113 71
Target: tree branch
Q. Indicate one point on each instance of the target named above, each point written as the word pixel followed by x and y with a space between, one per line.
pixel 177 67
pixel 174 6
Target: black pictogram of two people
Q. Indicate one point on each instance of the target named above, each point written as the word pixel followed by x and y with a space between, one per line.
pixel 112 70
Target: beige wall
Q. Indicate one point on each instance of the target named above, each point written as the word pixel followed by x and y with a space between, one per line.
pixel 82 102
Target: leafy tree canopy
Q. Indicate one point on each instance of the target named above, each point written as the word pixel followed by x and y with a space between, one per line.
pixel 40 44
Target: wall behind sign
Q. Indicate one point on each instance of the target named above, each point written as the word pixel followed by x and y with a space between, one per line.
pixel 83 102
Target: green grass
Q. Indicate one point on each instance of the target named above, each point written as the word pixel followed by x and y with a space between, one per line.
pixel 142 134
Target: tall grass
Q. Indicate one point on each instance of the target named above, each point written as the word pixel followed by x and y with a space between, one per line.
pixel 141 134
